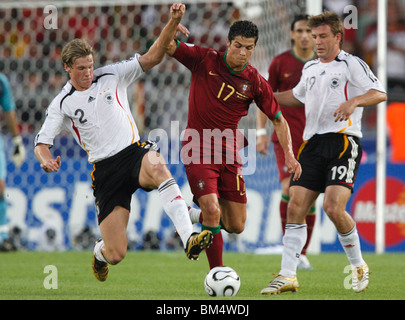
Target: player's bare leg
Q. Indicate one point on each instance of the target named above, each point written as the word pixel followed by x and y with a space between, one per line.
pixel 233 215
pixel 336 198
pixel 155 174
pixel 232 219
pixel 113 246
pixel 334 204
pixel 220 213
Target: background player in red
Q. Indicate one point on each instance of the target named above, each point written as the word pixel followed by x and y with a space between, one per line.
pixel 223 85
pixel 284 74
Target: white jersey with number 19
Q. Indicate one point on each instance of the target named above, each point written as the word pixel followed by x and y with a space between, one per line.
pixel 100 117
pixel 324 86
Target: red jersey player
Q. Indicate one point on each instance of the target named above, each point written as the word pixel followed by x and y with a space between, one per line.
pixel 223 85
pixel 284 74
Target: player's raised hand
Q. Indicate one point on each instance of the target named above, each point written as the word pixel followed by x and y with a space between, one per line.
pixel 177 11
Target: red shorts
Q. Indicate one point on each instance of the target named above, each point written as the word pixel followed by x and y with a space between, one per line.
pixel 226 181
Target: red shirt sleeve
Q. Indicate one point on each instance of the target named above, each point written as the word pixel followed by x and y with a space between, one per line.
pixel 265 99
pixel 189 55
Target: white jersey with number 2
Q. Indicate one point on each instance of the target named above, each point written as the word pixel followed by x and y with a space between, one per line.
pixel 100 117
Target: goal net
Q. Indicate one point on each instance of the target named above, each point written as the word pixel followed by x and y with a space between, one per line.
pixel 34 33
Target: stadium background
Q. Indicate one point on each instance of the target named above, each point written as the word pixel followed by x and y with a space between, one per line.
pixel 56 211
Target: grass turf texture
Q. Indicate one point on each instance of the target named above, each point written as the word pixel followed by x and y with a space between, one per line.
pixel 154 275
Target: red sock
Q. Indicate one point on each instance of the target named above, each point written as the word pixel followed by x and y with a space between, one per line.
pixel 214 252
pixel 310 220
pixel 283 213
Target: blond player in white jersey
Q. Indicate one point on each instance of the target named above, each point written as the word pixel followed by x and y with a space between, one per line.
pixel 94 107
pixel 334 88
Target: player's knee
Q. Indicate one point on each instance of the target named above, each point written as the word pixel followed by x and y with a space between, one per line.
pixel 332 210
pixel 293 211
pixel 211 212
pixel 234 225
pixel 158 172
pixel 236 228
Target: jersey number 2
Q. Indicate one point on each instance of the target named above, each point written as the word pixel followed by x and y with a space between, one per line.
pixel 81 119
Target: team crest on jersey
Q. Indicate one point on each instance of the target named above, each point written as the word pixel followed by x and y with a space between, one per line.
pixel 201 184
pixel 334 83
pixel 244 87
pixel 108 98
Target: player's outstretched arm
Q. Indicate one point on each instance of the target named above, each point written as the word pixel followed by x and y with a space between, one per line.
pixel 284 137
pixel 370 98
pixel 48 164
pixel 158 50
pixel 287 99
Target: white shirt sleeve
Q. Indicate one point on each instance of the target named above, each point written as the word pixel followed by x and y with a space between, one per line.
pixel 52 126
pixel 127 70
pixel 362 77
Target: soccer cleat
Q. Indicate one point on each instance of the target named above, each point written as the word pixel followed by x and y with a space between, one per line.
pixel 360 278
pixel 197 242
pixel 100 268
pixel 281 284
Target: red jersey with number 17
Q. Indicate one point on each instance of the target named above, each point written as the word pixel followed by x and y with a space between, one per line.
pixel 219 96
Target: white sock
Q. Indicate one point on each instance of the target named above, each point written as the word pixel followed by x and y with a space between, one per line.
pixel 194 214
pixel 351 244
pixel 294 240
pixel 97 251
pixel 176 208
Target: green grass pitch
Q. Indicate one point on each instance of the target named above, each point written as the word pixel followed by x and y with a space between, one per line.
pixel 156 275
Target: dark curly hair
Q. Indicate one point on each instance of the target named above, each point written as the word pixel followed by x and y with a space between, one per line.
pixel 244 28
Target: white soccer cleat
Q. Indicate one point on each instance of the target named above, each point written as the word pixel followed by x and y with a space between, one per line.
pixel 281 284
pixel 360 278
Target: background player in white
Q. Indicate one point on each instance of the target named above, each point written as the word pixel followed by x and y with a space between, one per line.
pixel 94 108
pixel 8 106
pixel 334 88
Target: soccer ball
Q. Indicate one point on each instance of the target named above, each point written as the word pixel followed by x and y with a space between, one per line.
pixel 222 282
